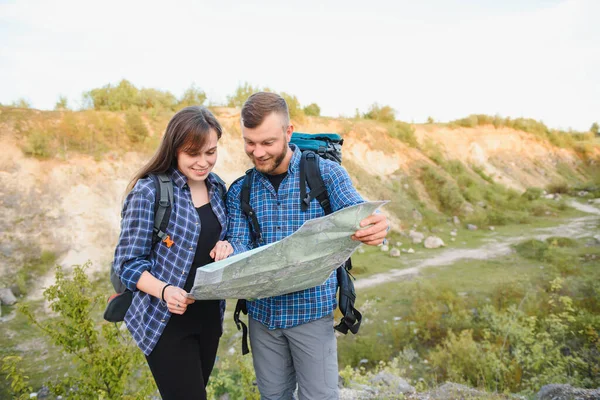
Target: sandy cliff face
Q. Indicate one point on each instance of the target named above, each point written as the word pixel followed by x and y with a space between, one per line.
pixel 72 207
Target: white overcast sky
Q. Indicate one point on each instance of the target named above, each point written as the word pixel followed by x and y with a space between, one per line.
pixel 440 58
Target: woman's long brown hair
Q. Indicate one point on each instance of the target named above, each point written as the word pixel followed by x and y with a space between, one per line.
pixel 187 131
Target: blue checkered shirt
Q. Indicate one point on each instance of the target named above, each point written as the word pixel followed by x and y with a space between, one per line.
pixel 279 216
pixel 147 316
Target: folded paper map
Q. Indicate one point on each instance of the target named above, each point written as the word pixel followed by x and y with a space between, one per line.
pixel 300 261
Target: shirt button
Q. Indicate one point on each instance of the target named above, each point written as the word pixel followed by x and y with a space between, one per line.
pixel 191 248
pixel 278 228
pixel 278 203
pixel 197 223
pixel 162 320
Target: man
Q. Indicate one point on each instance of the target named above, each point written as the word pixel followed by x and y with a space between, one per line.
pixel 291 336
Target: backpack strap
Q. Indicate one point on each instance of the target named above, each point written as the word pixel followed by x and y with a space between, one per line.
pixel 247 208
pixel 162 207
pixel 163 201
pixel 242 307
pixel 311 174
pixel 351 317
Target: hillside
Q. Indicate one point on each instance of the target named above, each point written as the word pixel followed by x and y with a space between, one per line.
pixel 67 201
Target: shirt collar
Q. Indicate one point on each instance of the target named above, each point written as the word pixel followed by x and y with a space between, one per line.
pixel 180 179
pixel 295 161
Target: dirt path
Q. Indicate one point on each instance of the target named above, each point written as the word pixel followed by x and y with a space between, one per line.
pixel 575 228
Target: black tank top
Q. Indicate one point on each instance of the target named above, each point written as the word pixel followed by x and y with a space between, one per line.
pixel 203 314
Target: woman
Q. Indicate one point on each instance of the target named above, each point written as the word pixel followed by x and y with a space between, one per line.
pixel 178 335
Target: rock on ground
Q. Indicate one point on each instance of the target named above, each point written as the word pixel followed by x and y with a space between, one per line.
pixel 566 392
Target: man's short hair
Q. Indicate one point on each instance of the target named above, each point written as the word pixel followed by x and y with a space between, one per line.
pixel 262 104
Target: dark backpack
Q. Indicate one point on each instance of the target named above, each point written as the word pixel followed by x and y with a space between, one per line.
pixel 313 147
pixel 119 303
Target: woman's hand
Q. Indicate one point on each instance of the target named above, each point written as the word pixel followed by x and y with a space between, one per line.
pixel 177 299
pixel 221 251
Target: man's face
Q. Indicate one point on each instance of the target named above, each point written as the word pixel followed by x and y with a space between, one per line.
pixel 267 145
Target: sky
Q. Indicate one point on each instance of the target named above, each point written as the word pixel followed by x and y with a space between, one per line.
pixel 443 59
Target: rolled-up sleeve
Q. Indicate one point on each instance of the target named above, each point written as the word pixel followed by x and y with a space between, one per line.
pixel 135 242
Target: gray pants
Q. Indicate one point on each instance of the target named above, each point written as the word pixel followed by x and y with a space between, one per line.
pixel 306 353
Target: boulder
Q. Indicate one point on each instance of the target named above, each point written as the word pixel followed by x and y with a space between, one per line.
pixel 456 220
pixel 394 252
pixel 566 392
pixel 467 208
pixel 433 242
pixel 471 227
pixel 417 216
pixel 7 297
pixel 416 237
pixel 391 384
pixel 453 391
pixel 384 247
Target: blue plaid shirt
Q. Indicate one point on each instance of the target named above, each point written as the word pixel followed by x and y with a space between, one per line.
pixel 147 316
pixel 279 216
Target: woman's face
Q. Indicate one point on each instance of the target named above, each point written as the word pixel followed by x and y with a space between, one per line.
pixel 196 166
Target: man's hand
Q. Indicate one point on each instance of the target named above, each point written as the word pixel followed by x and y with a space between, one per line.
pixel 373 235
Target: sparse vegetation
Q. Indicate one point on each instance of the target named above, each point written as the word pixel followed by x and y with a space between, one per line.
pixel 108 365
pixel 61 104
pixel 241 94
pixel 404 132
pixel 21 103
pixel 380 113
pixel 560 138
pixel 125 96
pixel 506 325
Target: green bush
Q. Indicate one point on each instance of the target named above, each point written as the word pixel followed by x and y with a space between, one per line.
pixel 193 96
pixel 135 128
pixel 241 94
pixel 532 248
pixel 560 241
pixel 380 113
pixel 443 191
pixel 558 187
pixel 312 110
pixel 38 144
pixel 404 132
pixel 532 193
pixel 19 382
pixel 296 112
pixel 21 103
pixel 61 104
pixel 153 99
pixel 106 364
pixel 125 96
pixel 479 171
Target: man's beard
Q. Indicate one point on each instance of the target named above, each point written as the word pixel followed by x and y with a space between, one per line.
pixel 268 169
